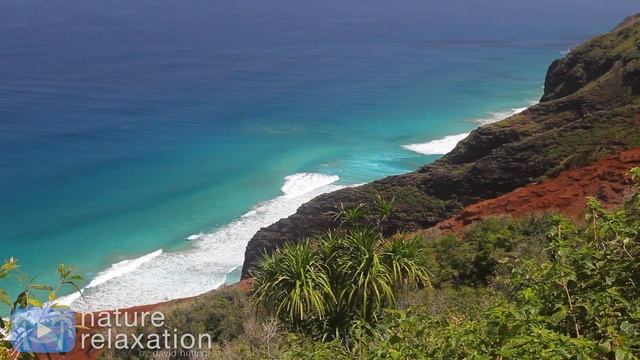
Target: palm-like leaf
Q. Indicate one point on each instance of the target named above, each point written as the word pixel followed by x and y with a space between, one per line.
pixel 369 284
pixel 384 207
pixel 350 216
pixel 292 283
pixel 400 256
pixel 347 275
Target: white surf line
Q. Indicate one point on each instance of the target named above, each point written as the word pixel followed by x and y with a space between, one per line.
pixel 206 264
pixel 449 142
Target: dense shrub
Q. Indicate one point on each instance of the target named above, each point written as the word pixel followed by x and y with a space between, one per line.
pixel 220 314
pixel 481 251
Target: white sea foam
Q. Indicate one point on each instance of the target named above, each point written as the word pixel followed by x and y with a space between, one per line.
pixel 301 183
pixel 115 270
pixel 435 147
pixel 448 143
pixel 195 236
pixel 498 115
pixel 206 264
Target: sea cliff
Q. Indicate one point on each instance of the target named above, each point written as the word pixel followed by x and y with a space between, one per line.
pixel 590 109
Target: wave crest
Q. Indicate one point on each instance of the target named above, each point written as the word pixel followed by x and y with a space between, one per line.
pixel 206 264
pixel 302 183
pixel 448 143
pixel 436 147
pixel 499 115
pixel 116 270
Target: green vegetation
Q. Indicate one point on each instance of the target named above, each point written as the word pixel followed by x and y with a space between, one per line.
pixel 31 295
pixel 506 292
pixel 344 278
pixel 539 287
pixel 530 288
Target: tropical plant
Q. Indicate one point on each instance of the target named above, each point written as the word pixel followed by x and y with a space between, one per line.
pixel 535 288
pixel 369 283
pixel 350 216
pixel 403 256
pixel 7 268
pixel 384 209
pixel 293 280
pixel 346 276
pixel 538 287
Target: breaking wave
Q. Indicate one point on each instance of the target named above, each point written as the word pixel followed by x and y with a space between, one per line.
pixel 205 265
pixel 448 143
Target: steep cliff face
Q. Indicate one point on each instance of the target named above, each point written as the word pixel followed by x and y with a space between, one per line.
pixel 590 108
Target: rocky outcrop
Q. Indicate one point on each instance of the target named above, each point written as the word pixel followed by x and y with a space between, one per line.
pixel 590 108
pixel 591 60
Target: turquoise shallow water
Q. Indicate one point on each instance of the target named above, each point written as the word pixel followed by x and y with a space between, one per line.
pixel 126 129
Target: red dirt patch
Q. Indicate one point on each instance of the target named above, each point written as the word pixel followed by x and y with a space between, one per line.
pixel 606 179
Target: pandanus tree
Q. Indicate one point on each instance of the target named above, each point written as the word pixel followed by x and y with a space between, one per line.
pixel 294 283
pixel 343 276
pixel 369 284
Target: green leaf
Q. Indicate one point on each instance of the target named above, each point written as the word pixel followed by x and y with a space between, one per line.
pixel 4 297
pixel 624 354
pixel 41 287
pixel 34 302
pixel 604 347
pixel 560 314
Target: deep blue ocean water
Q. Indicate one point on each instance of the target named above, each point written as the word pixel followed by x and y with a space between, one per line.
pixel 126 127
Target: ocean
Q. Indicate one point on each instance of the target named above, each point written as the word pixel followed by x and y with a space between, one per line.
pixel 146 142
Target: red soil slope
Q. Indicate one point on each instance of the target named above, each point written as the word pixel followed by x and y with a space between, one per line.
pixel 606 179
